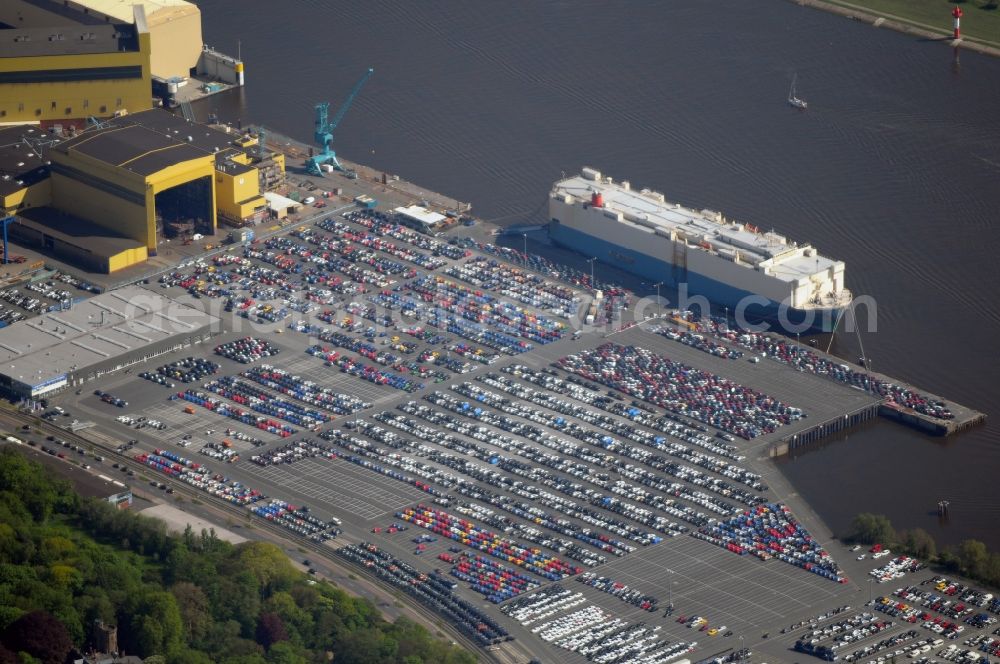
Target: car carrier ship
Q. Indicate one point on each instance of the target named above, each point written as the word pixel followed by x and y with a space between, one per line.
pixel 759 276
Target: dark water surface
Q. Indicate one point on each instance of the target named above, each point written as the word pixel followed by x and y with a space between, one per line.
pixel 895 168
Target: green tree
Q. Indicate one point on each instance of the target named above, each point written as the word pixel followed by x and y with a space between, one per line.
pixel 918 542
pixel 269 565
pixel 66 562
pixel 872 529
pixel 158 626
pixel 973 557
pixel 188 656
pixel 245 659
pixel 285 653
pixel 193 607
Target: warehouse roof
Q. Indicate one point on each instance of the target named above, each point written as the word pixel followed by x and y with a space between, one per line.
pixel 76 231
pixel 423 215
pixel 66 40
pixel 114 324
pixel 20 164
pixel 132 147
pixel 193 133
pixel 279 202
pixel 157 11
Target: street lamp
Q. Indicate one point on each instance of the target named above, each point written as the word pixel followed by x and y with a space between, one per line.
pixel 591 261
pixel 870 582
pixel 742 652
pixel 524 236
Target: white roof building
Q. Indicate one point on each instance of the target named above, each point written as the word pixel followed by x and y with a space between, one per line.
pixel 420 215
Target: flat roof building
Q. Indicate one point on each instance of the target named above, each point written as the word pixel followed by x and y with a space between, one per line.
pixel 134 179
pixel 75 240
pixel 64 61
pixel 24 175
pixel 126 183
pixel 419 217
pixel 96 337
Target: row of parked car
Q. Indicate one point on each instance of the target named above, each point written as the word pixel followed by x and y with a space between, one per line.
pixel 247 350
pixel 107 397
pixel 9 316
pixel 590 631
pixel 361 453
pixel 620 590
pixel 293 452
pixel 525 287
pixel 188 370
pixel 431 591
pixel 27 302
pixel 601 529
pixel 676 426
pixel 771 530
pixel 581 471
pixel 806 359
pixel 696 393
pixel 534 481
pixel 556 420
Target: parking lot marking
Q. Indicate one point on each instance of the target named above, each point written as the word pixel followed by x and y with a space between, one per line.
pixel 340 486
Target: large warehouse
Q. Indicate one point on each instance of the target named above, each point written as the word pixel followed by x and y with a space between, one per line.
pixel 102 335
pixel 128 176
pixel 65 61
pixel 57 68
pixel 112 193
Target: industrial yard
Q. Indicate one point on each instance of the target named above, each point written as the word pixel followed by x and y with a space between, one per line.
pixel 431 408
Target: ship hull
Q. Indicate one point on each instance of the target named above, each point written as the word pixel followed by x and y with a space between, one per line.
pixel 747 307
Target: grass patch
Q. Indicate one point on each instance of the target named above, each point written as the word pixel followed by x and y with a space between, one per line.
pixel 981 18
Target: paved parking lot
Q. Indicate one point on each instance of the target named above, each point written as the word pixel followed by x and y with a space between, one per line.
pixel 746 595
pixel 344 490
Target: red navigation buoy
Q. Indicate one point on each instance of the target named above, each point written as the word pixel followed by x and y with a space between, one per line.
pixel 957 13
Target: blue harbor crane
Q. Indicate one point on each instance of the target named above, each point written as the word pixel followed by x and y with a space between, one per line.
pixel 324 129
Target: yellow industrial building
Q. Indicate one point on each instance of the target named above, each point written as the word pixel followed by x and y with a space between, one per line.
pixel 64 62
pixel 67 73
pixel 105 198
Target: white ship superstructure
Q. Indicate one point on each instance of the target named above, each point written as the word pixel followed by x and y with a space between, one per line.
pixel 724 260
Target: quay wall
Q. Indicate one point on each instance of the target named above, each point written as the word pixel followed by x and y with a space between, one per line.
pixel 824 429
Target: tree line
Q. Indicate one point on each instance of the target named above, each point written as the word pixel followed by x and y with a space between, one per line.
pixel 67 563
pixel 970 558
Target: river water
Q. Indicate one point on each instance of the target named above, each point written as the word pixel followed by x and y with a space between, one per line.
pixel 895 168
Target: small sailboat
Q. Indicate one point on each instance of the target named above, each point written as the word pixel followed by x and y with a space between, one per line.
pixel 794 100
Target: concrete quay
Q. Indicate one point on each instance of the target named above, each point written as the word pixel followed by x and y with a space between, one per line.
pixel 964 417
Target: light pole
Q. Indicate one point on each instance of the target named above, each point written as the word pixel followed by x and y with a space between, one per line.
pixel 524 236
pixel 870 582
pixel 742 654
pixel 591 261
